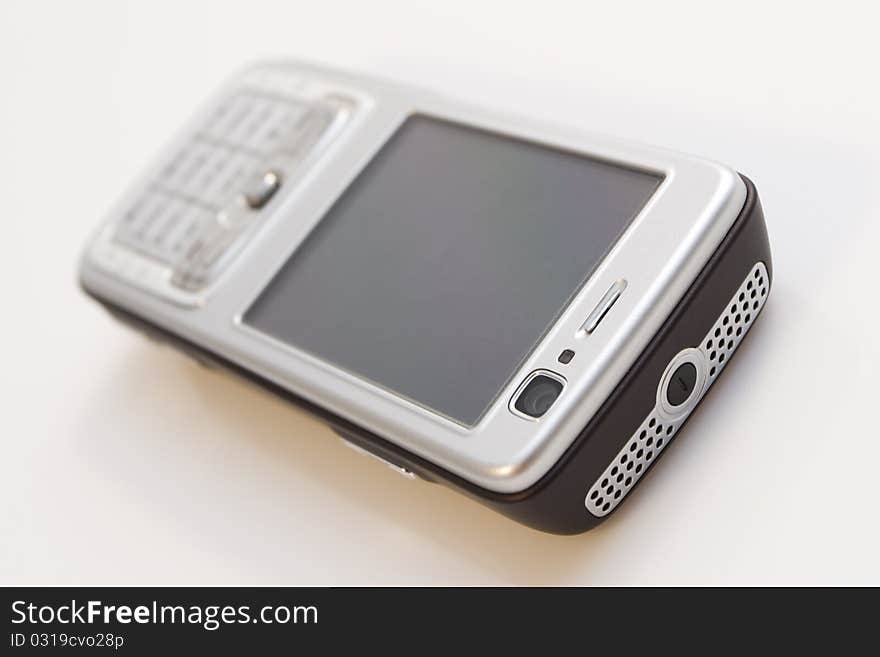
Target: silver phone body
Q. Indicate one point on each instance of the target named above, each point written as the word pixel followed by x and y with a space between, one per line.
pixel 344 121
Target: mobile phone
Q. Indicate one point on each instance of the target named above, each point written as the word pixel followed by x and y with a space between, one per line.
pixel 524 312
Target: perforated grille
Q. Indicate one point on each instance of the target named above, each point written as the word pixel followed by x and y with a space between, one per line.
pixel 658 428
pixel 720 343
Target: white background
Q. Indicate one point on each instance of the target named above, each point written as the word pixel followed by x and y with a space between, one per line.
pixel 123 463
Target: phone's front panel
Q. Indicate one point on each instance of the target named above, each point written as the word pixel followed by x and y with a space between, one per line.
pixel 468 286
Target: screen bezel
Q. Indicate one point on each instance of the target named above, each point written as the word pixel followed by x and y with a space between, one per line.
pixel 659 255
pixel 536 339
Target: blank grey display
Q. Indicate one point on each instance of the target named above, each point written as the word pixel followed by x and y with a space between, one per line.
pixel 442 265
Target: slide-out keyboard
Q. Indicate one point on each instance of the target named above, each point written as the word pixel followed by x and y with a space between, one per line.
pixel 209 191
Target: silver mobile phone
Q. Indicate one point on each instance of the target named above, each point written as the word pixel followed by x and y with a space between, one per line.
pixel 524 312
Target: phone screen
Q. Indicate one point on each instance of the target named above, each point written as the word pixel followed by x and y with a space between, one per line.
pixel 447 259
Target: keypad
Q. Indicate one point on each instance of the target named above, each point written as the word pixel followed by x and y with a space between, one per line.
pixel 246 135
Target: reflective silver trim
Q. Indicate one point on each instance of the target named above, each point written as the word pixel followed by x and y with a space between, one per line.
pixel 660 425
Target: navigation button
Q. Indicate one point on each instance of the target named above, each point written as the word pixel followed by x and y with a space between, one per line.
pixel 261 189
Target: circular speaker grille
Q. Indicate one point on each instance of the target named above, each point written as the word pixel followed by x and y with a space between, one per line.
pixel 659 427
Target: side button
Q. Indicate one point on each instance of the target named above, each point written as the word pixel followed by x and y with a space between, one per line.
pixel 602 308
pixel 409 474
pixel 681 384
